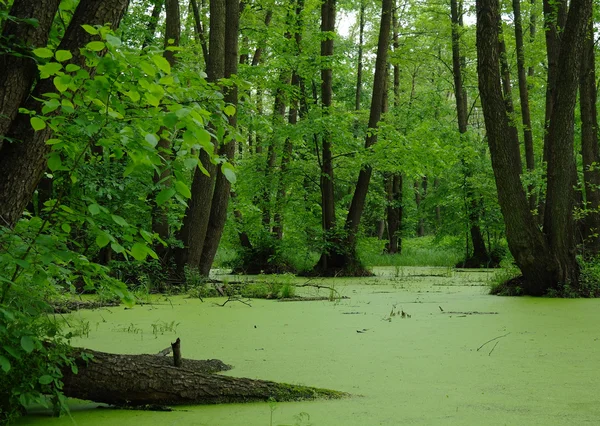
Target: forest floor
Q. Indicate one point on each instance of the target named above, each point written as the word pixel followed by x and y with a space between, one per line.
pixel 416 346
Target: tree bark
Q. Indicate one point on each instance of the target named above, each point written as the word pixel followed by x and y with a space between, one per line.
pixel 199 28
pixel 546 261
pixel 135 380
pixel 220 201
pixel 23 162
pixel 524 95
pixel 394 212
pixel 17 73
pixel 589 146
pixel 195 223
pixel 559 224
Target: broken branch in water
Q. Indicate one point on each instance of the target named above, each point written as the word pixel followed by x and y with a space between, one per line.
pixel 491 340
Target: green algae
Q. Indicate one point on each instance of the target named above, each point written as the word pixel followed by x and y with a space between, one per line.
pixel 421 370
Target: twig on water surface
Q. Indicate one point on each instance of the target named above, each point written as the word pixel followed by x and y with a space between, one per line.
pixel 491 340
pixel 494 348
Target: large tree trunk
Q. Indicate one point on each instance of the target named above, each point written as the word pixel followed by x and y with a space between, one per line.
pixel 394 212
pixel 559 224
pixel 23 162
pixel 555 15
pixel 546 261
pixel 18 72
pixel 134 380
pixel 220 201
pixel 589 147
pixel 197 214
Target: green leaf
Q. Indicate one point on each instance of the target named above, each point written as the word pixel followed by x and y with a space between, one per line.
pixel 164 195
pixel 66 227
pixel 72 68
pixel 119 220
pixel 63 55
pixel 190 163
pixel 50 105
pixel 139 251
pixel 148 69
pixel 102 239
pixel 170 120
pixel 95 46
pixel 183 189
pixel 94 209
pixel 27 344
pixel 46 379
pixel 118 248
pixel 37 123
pixel 112 40
pixel 54 162
pixel 43 52
pixel 229 172
pixel 162 63
pixel 229 110
pixel 133 95
pixel 152 139
pixel 62 82
pixel 5 364
pixel 90 30
pixel 49 69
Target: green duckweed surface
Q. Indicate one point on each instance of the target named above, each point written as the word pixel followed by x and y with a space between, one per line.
pixel 422 370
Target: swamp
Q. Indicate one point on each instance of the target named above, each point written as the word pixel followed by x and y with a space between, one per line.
pixel 439 364
pixel 299 212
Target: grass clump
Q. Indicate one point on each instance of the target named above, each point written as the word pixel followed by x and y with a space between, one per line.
pixel 423 251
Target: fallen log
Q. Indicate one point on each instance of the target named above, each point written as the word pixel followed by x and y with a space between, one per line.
pixel 137 380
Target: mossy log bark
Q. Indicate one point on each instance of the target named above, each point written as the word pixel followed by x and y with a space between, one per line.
pixel 135 380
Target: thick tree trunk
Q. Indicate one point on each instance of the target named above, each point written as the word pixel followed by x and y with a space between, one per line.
pixel 134 380
pixel 23 162
pixel 220 201
pixel 160 214
pixel 589 147
pixel 559 224
pixel 546 261
pixel 524 95
pixel 195 222
pixel 555 15
pixel 17 73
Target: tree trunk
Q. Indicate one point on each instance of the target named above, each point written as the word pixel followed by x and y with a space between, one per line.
pixel 462 113
pixel 359 68
pixel 524 95
pixel 220 201
pixel 394 212
pixel 545 261
pixel 195 223
pixel 199 28
pixel 134 380
pixel 555 14
pixel 326 179
pixel 17 73
pixel 153 23
pixel 160 214
pixel 589 147
pixel 22 163
pixel 559 224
